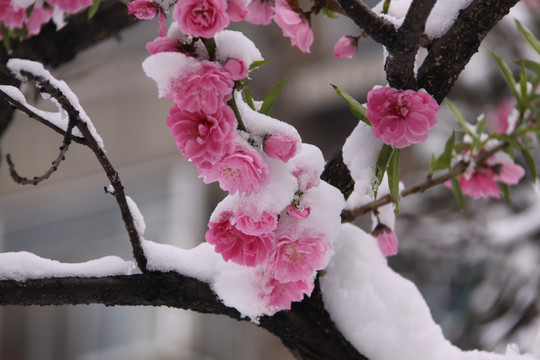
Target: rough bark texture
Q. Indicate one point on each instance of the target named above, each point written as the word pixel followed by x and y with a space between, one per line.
pixel 306 329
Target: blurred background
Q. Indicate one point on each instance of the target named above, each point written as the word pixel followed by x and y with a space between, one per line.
pixel 479 270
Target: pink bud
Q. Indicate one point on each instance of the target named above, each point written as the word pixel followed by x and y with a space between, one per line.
pixel 260 12
pixel 387 240
pixel 345 47
pixel 143 9
pixel 296 213
pixel 237 68
pixel 280 146
pixel 237 10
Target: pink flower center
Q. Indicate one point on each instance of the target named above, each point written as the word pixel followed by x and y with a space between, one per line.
pixel 294 256
pixel 229 173
pixel 402 109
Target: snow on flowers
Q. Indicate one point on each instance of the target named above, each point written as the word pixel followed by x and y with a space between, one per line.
pixel 279 220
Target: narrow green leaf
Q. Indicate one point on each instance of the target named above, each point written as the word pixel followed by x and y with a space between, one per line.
pixel 249 98
pixel 508 76
pixel 459 117
pixel 444 161
pixel 257 64
pixel 481 126
pixel 386 6
pixel 328 13
pixel 529 64
pixel 530 163
pixel 358 110
pixel 393 175
pixel 94 8
pixel 272 96
pixel 458 195
pixel 529 37
pixel 382 164
pixel 505 189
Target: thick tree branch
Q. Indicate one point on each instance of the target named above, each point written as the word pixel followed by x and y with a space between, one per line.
pixel 306 330
pixel 449 54
pixel 401 58
pixel 378 28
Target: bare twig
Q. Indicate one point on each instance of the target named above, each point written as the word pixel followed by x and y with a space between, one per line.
pixel 429 182
pixel 111 173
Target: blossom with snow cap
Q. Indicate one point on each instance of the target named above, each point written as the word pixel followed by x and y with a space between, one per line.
pixel 401 117
pixel 237 246
pixel 243 171
pixel 280 146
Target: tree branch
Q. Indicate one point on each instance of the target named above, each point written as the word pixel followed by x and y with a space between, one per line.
pixel 306 329
pixel 449 54
pixel 401 58
pixel 378 28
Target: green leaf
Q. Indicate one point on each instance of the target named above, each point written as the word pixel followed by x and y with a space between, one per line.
pixel 458 195
pixel 529 64
pixel 249 98
pixel 94 8
pixel 328 13
pixel 529 37
pixel 459 117
pixel 505 189
pixel 257 64
pixel 382 164
pixel 508 76
pixel 358 110
pixel 444 161
pixel 481 126
pixel 393 176
pixel 386 6
pixel 272 96
pixel 530 163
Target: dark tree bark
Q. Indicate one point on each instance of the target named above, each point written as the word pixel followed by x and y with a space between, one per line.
pixel 306 329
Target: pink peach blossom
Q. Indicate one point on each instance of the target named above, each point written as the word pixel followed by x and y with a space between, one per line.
pixel 401 117
pixel 298 259
pixel 38 17
pixel 386 239
pixel 208 88
pixel 236 68
pixel 498 120
pixel 162 44
pixel 283 294
pixel 234 245
pixel 254 225
pixel 237 10
pixel 243 171
pixel 280 146
pixel 482 182
pixel 143 9
pixel 201 18
pixel 294 25
pixel 260 12
pixel 71 6
pixel 12 18
pixel 346 47
pixel 202 136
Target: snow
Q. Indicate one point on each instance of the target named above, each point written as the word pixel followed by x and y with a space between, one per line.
pixel 260 125
pixel 58 119
pixel 235 45
pixel 381 313
pixel 17 66
pixel 138 219
pixel 361 164
pixel 164 67
pixel 439 21
pixel 21 266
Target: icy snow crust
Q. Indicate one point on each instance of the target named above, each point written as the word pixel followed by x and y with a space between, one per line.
pixel 17 66
pixel 439 21
pixel 21 266
pixel 381 313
